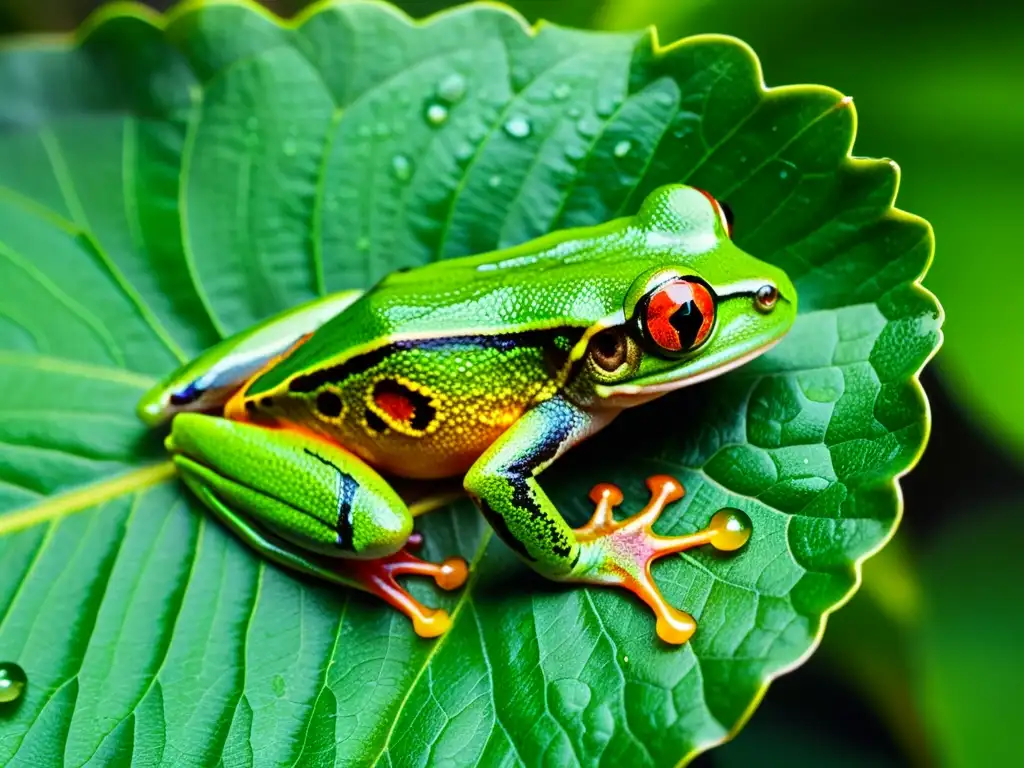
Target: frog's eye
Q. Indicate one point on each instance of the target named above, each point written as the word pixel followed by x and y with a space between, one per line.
pixel 678 315
pixel 722 210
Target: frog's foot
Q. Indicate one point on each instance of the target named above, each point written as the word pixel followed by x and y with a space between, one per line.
pixel 621 553
pixel 378 578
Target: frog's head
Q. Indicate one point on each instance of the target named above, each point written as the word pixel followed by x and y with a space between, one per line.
pixel 698 305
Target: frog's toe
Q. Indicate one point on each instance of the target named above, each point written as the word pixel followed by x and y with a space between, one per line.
pixel 621 553
pixel 378 578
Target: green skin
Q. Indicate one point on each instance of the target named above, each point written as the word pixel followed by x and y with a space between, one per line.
pixel 491 360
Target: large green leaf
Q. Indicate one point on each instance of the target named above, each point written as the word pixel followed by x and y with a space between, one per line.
pixel 168 180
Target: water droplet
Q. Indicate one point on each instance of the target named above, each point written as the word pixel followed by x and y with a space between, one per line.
pixel 464 151
pixel 290 147
pixel 806 461
pixel 783 173
pixel 606 108
pixel 520 77
pixel 664 99
pixel 436 113
pixel 383 130
pixel 452 88
pixel 12 681
pixel 363 244
pixel 576 152
pixel 518 127
pixel 570 697
pixel 622 148
pixel 401 167
pixel 625 659
pixel 731 529
pixel 562 92
pixel 586 128
pixel 494 182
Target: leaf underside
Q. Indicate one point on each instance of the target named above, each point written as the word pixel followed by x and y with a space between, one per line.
pixel 165 181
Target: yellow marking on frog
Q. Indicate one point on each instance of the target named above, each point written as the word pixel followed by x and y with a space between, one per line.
pixel 400 412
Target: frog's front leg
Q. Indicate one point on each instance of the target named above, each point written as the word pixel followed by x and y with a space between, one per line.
pixel 307 504
pixel 604 551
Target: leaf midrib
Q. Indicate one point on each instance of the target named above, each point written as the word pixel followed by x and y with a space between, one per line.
pixel 86 497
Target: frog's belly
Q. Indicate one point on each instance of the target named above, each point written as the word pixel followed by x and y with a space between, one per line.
pixel 396 437
pixel 448 451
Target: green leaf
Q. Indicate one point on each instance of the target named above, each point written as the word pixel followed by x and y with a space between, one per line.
pixel 167 180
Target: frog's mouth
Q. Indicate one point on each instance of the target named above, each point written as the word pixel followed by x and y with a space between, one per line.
pixel 641 390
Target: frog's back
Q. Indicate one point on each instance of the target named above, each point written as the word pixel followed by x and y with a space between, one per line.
pixel 555 282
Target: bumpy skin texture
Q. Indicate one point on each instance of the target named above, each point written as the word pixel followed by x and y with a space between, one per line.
pixel 489 366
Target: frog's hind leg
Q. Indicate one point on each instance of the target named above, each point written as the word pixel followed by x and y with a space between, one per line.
pixel 376 577
pixel 311 506
pixel 208 382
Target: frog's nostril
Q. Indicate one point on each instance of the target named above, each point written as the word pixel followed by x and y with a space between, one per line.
pixel 766 297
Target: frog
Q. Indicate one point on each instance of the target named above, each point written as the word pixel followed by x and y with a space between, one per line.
pixel 487 368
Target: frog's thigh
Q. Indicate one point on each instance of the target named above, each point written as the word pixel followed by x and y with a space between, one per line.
pixel 211 379
pixel 503 483
pixel 304 490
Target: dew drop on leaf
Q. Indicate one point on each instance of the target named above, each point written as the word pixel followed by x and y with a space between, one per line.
pixel 575 112
pixel 436 113
pixel 622 148
pixel 517 127
pixel 12 681
pixel 494 182
pixel 452 88
pixel 562 92
pixel 463 152
pixel 586 128
pixel 363 244
pixel 520 77
pixel 731 528
pixel 402 167
pixel 576 153
pixel 606 108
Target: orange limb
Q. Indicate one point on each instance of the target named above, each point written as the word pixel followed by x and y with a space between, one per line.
pixel 620 553
pixel 378 578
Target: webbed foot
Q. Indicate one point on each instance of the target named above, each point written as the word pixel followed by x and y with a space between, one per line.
pixel 621 553
pixel 378 578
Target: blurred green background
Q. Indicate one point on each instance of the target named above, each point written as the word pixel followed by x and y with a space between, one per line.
pixel 926 664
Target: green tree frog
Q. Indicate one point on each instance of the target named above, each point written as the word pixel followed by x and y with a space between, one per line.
pixel 488 368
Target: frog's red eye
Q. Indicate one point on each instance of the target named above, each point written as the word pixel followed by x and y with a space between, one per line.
pixel 679 315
